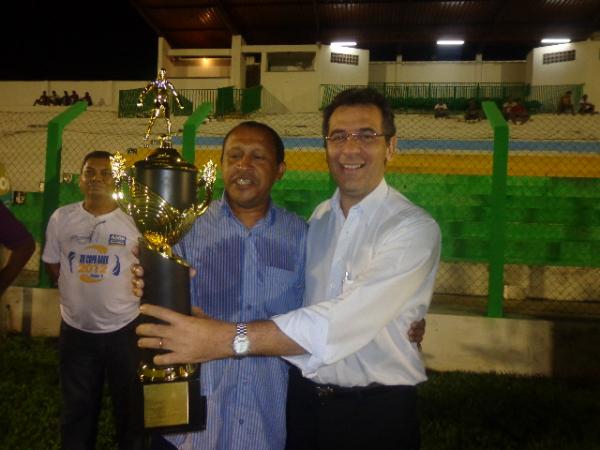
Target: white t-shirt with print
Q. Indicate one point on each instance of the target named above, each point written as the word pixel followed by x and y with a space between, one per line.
pixel 95 257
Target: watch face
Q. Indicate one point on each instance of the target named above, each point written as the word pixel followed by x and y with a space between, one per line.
pixel 241 345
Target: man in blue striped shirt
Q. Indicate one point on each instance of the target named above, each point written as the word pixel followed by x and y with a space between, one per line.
pixel 249 256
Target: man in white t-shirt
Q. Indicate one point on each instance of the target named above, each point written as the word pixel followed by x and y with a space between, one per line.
pixel 88 252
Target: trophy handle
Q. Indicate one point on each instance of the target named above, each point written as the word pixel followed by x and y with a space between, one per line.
pixel 206 179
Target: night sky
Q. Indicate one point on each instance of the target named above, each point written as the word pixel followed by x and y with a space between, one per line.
pixel 48 41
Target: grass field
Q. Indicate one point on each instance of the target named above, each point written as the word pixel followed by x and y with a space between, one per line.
pixel 459 411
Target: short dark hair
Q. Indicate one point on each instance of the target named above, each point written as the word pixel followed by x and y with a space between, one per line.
pixel 96 154
pixel 362 96
pixel 277 142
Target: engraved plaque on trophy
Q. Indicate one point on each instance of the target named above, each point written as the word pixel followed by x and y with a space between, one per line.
pixel 160 193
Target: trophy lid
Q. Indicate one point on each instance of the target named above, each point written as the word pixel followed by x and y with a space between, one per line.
pixel 166 157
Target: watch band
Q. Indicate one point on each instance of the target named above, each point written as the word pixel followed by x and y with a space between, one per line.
pixel 241 342
pixel 241 328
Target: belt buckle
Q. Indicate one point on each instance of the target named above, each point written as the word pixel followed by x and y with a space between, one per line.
pixel 324 391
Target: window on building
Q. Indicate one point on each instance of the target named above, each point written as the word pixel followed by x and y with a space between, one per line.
pixel 291 61
pixel 342 58
pixel 557 57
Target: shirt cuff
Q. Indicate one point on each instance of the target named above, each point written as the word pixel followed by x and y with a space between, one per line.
pixel 308 328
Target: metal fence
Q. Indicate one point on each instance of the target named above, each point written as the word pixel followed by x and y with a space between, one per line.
pixel 224 101
pixel 551 216
pixel 421 97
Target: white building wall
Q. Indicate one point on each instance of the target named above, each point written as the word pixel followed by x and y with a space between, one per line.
pixel 585 69
pixel 288 91
pixel 448 71
pixel 336 73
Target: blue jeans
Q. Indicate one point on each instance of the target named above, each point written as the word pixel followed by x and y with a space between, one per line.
pixel 87 360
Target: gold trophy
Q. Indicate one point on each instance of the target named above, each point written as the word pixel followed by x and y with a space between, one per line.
pixel 160 193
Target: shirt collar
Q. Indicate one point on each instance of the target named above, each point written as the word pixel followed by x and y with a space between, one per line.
pixel 225 210
pixel 367 206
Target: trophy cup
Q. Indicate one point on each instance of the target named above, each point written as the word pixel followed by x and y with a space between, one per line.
pixel 160 193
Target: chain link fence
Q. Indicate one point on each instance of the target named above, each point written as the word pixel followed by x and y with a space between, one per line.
pixel 552 249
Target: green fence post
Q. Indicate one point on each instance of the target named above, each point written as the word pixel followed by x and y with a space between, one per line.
pixel 189 131
pixel 498 209
pixel 52 173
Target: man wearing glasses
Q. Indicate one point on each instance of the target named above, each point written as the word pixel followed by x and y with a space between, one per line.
pixel 372 257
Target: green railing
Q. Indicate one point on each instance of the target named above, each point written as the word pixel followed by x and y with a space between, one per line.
pixel 224 101
pixel 52 173
pixel 498 208
pixel 251 99
pixel 421 97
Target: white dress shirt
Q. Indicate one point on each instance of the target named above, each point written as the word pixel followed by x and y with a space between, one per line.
pixel 368 277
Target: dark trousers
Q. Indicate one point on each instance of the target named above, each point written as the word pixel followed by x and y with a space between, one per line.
pixel 87 360
pixel 157 442
pixel 375 418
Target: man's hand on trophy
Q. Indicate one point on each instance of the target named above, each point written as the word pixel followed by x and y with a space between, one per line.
pixel 137 282
pixel 189 339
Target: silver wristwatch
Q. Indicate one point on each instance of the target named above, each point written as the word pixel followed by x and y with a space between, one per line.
pixel 241 342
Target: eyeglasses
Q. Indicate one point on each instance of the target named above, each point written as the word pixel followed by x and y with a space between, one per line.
pixel 364 138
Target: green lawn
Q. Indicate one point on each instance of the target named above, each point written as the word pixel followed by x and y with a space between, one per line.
pixel 459 411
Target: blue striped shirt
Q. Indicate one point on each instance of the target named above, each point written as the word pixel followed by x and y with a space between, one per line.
pixel 244 275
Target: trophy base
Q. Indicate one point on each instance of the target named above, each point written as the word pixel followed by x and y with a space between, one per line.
pixel 175 406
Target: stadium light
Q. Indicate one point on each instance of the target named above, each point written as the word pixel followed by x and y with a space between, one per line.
pixel 450 42
pixel 341 44
pixel 556 40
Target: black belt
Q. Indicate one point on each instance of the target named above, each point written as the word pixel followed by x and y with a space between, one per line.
pixel 331 391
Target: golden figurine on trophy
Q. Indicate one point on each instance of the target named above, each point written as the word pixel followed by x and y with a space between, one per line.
pixel 163 87
pixel 161 194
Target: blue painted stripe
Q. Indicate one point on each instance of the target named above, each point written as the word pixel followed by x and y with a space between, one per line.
pixel 429 144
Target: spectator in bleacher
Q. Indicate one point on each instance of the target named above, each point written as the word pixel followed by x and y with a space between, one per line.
pixel 74 97
pixel 87 98
pixel 518 114
pixel 43 100
pixel 586 107
pixel 65 99
pixel 473 112
pixel 565 103
pixel 440 110
pixel 506 107
pixel 15 237
pixel 54 99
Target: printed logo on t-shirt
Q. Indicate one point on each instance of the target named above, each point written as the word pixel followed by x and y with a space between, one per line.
pixel 116 239
pixel 93 264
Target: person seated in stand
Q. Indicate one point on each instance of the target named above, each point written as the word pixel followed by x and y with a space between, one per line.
pixel 586 107
pixel 440 110
pixel 74 97
pixel 65 99
pixel 473 112
pixel 43 100
pixel 518 114
pixel 87 98
pixel 507 106
pixel 54 99
pixel 565 103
